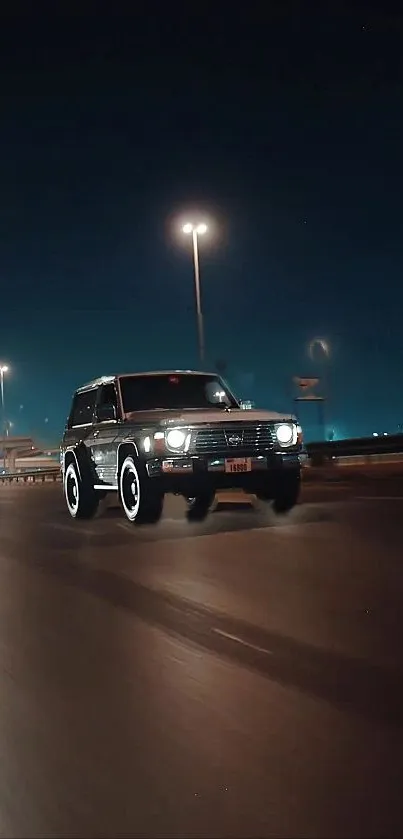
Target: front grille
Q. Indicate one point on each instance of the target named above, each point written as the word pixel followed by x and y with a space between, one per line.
pixel 253 438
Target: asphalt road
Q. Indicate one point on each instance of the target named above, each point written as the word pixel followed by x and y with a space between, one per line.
pixel 240 678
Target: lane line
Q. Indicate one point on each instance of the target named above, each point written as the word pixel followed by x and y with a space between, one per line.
pixel 291 529
pixel 71 529
pixel 240 641
pixel 125 526
pixel 379 497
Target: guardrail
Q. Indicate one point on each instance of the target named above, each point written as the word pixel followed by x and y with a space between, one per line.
pixel 36 476
pixel 367 447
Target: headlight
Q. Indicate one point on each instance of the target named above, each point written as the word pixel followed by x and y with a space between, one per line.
pixel 286 434
pixel 176 438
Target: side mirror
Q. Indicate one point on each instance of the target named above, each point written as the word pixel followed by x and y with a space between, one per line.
pixel 106 413
pixel 247 405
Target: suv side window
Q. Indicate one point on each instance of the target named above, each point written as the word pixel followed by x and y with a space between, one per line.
pixel 107 396
pixel 82 411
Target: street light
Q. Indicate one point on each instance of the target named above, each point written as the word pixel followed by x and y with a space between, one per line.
pixel 3 369
pixel 322 345
pixel 196 231
pixel 319 350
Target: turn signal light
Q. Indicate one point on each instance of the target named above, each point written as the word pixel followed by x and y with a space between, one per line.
pixel 159 442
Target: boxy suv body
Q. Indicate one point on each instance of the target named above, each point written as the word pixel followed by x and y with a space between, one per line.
pixel 143 435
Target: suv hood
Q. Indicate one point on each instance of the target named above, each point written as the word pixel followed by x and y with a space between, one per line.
pixel 201 415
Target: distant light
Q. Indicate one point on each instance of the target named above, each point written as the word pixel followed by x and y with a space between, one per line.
pixel 375 434
pixel 385 433
pixel 200 229
pixel 4 368
pixel 147 444
pixel 323 345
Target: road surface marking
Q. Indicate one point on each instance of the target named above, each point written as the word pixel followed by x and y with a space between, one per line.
pixel 125 526
pixel 241 641
pixel 379 497
pixel 73 529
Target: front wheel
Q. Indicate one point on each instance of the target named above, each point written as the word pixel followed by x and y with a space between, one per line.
pixel 286 493
pixel 141 501
pixel 199 505
pixel 81 498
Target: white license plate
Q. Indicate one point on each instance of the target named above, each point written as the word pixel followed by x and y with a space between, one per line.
pixel 238 464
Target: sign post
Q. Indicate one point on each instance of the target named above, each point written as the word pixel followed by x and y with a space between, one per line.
pixel 305 389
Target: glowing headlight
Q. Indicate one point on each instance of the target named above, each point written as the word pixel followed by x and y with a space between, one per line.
pixel 285 434
pixel 175 438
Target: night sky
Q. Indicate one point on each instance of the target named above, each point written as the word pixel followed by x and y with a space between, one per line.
pixel 282 127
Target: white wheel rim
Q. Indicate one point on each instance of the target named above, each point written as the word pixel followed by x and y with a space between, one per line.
pixel 71 490
pixel 129 481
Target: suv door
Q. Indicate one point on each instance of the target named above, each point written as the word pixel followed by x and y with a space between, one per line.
pixel 102 439
pixel 79 424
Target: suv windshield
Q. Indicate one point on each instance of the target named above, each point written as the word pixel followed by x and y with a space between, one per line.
pixel 174 391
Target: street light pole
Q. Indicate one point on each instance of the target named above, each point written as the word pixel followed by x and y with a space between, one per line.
pixel 196 231
pixel 324 349
pixel 200 329
pixel 3 369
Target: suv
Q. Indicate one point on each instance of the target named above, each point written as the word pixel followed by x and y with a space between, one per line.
pixel 145 434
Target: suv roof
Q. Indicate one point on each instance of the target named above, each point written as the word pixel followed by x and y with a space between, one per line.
pixel 105 380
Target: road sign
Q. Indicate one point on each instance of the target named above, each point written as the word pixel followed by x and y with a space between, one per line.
pixel 304 383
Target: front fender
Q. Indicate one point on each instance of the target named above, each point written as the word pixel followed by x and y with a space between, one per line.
pixel 80 457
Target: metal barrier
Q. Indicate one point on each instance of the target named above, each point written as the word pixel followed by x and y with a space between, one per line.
pixel 37 476
pixel 389 444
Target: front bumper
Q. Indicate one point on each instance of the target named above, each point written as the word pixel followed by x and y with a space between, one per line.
pixel 182 474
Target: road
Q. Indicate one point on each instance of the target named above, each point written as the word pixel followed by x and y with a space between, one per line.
pixel 237 678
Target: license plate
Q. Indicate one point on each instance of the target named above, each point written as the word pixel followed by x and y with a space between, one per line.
pixel 238 464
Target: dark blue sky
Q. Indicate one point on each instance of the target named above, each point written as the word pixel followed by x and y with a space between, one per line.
pixel 285 127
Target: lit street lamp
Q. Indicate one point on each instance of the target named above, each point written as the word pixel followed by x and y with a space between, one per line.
pixel 3 369
pixel 319 350
pixel 196 231
pixel 322 345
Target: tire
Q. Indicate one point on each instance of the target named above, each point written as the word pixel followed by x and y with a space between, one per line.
pixel 199 505
pixel 81 498
pixel 287 493
pixel 141 502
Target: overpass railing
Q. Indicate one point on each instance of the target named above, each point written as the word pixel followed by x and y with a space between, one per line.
pixel 36 476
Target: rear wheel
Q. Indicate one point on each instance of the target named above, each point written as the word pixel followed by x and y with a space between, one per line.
pixel 199 505
pixel 141 501
pixel 81 498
